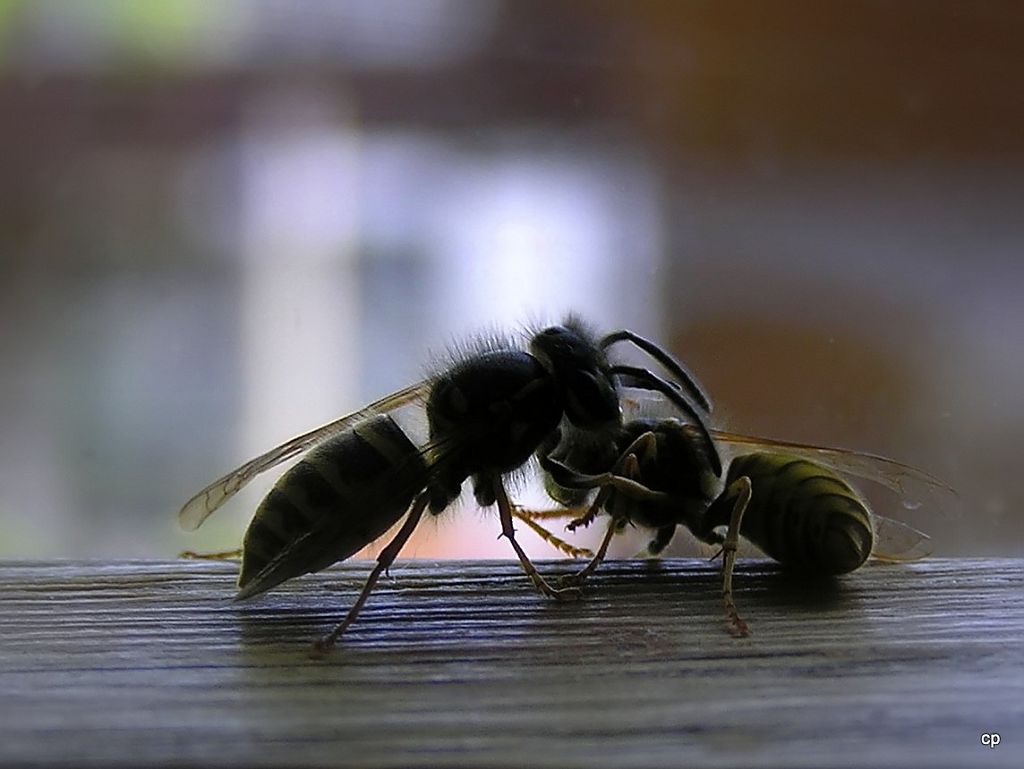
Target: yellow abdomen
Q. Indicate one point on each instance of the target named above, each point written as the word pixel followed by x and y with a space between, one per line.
pixel 802 514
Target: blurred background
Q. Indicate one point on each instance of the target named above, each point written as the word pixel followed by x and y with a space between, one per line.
pixel 222 224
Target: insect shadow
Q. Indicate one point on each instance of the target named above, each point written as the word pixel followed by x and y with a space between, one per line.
pixel 786 589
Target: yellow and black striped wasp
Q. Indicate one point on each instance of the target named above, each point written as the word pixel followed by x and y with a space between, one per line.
pixel 789 499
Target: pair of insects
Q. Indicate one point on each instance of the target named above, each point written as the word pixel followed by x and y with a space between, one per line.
pixel 561 400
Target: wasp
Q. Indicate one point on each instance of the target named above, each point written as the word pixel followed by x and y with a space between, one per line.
pixel 488 412
pixel 789 499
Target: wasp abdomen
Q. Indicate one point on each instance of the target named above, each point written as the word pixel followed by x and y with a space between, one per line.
pixel 344 494
pixel 802 514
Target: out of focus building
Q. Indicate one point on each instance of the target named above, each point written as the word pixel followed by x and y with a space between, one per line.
pixel 222 224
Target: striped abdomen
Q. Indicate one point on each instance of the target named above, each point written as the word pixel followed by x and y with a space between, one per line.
pixel 345 493
pixel 800 513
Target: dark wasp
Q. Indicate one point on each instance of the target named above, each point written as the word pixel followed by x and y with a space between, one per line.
pixel 487 414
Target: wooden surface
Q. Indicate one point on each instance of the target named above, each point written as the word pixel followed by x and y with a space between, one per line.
pixel 463 664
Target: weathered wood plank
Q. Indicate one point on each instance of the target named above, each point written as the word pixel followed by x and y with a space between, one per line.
pixel 463 664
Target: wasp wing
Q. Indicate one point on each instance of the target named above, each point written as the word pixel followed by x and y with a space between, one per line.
pixel 896 542
pixel 203 504
pixel 910 483
pixel 905 480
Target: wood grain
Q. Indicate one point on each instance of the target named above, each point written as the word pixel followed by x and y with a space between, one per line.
pixel 463 664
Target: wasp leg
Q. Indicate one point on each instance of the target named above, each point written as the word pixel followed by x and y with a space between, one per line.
pixel 524 513
pixel 588 517
pixel 556 542
pixel 578 578
pixel 508 531
pixel 630 467
pixel 224 555
pixel 574 480
pixel 618 479
pixel 627 471
pixel 569 478
pixel 384 560
pixel 741 489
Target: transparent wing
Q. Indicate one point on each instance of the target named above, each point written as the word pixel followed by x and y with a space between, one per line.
pixel 202 505
pixel 896 542
pixel 914 486
pixel 646 404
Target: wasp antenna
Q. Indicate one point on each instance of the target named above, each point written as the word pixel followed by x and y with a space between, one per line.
pixel 686 380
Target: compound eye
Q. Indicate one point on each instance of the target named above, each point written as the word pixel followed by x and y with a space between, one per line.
pixel 591 400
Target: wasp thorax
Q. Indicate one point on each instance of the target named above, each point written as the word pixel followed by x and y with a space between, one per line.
pixel 487 415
